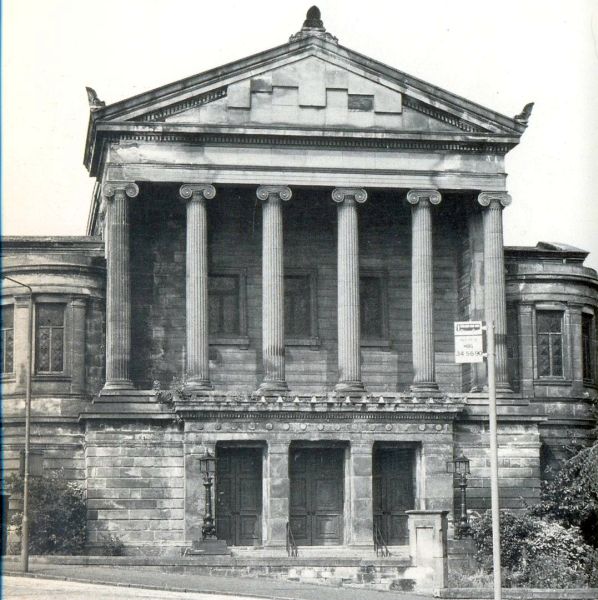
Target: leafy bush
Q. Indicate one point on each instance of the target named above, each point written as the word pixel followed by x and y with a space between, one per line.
pixel 535 552
pixel 57 513
pixel 571 498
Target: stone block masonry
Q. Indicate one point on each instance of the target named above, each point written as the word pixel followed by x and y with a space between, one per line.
pixel 135 491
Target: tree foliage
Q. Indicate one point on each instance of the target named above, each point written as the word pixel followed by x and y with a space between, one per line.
pixel 57 513
pixel 571 498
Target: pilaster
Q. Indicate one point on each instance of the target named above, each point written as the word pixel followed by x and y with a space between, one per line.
pixel 273 351
pixel 422 291
pixel 278 490
pixel 198 365
pixel 78 308
pixel 118 293
pixel 349 340
pixel 362 503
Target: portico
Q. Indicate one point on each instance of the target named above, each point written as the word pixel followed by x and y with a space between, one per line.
pixel 350 203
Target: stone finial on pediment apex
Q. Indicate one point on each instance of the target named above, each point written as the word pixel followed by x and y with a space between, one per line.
pixel 197 191
pixel 280 191
pixel 313 26
pixel 357 194
pixel 488 198
pixel 416 196
pixel 110 188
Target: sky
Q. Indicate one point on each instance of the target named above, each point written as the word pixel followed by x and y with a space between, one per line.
pixel 499 54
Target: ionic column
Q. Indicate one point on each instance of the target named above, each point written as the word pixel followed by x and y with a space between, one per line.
pixel 273 287
pixel 349 358
pixel 495 304
pixel 198 363
pixel 118 293
pixel 422 288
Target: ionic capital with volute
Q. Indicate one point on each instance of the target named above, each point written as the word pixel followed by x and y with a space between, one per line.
pixel 424 196
pixel 494 198
pixel 112 188
pixel 196 192
pixel 358 195
pixel 271 192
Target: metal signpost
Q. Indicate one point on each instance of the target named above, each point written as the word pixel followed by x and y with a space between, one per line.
pixel 469 348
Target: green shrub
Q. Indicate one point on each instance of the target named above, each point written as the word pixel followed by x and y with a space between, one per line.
pixel 57 513
pixel 535 552
pixel 571 498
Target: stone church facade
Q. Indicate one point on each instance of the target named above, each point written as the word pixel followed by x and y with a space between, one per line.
pixel 277 251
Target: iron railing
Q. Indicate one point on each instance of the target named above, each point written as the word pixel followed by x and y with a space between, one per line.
pixel 379 542
pixel 292 549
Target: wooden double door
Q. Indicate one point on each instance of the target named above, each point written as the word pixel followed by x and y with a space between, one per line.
pixel 239 495
pixel 316 503
pixel 393 491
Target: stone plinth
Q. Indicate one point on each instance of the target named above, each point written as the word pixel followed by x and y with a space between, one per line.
pixel 429 548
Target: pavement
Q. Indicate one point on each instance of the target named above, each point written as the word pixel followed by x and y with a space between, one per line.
pixel 60 581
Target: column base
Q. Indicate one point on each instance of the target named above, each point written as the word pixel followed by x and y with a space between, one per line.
pixel 117 385
pixel 424 386
pixel 347 387
pixel 272 387
pixel 198 385
pixel 501 388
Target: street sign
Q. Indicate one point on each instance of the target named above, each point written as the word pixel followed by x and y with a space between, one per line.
pixel 469 342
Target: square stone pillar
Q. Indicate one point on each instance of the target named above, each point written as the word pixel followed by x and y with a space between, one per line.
pixel 277 492
pixel 361 515
pixel 428 548
pixel 21 341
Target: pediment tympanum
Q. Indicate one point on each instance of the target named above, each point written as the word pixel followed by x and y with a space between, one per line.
pixel 310 92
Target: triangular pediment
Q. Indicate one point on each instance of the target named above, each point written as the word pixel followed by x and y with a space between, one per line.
pixel 310 92
pixel 310 84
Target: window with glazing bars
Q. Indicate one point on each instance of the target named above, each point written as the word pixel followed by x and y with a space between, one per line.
pixel 224 305
pixel 49 338
pixel 297 306
pixel 587 322
pixel 549 326
pixel 371 309
pixel 7 360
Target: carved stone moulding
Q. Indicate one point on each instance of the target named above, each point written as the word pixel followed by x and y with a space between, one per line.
pixel 487 198
pixel 359 195
pixel 264 192
pixel 110 188
pixel 197 191
pixel 416 196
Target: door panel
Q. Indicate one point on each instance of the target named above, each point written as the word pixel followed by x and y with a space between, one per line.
pixel 394 492
pixel 316 503
pixel 239 496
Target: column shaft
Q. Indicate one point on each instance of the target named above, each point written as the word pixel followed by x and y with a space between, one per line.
pixel 422 290
pixel 495 304
pixel 118 296
pixel 273 351
pixel 198 364
pixel 349 339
